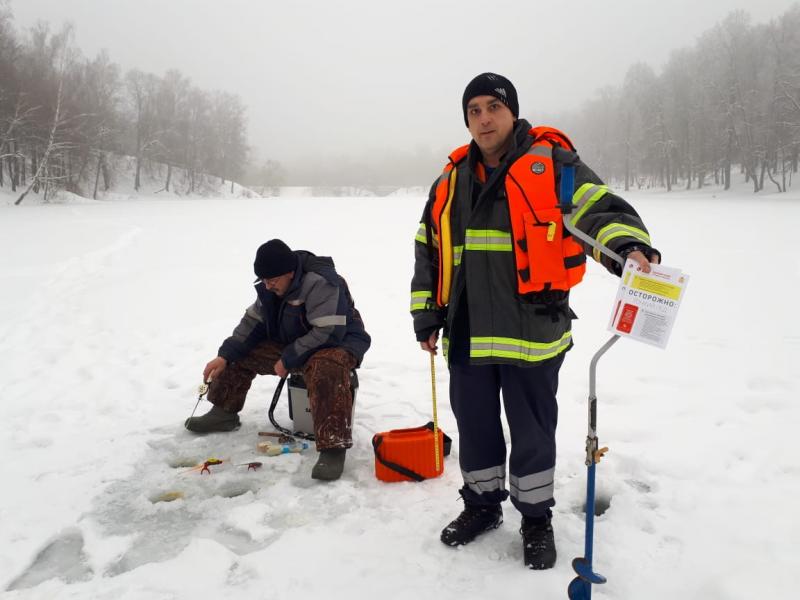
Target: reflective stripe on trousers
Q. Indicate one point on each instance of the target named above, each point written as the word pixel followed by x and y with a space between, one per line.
pixel 534 488
pixel 486 480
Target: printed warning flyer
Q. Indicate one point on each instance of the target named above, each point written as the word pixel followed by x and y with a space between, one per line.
pixel 647 303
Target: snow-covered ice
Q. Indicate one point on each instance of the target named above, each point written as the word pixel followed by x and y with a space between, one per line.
pixel 111 309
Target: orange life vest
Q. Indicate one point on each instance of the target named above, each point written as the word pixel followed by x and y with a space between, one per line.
pixel 545 258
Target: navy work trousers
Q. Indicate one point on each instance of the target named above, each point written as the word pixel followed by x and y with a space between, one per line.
pixel 529 399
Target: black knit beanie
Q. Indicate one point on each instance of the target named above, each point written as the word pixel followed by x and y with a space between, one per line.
pixel 274 258
pixel 491 84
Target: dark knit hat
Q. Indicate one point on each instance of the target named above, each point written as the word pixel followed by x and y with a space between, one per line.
pixel 274 258
pixel 491 84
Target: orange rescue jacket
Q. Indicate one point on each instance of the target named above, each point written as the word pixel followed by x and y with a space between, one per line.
pixel 547 257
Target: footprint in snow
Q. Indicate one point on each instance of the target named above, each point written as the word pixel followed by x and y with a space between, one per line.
pixel 63 558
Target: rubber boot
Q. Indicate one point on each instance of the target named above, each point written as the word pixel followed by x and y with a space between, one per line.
pixel 213 421
pixel 330 464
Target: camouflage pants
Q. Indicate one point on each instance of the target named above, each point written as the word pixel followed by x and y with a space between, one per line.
pixel 327 377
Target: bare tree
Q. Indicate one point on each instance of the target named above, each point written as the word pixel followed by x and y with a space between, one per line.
pixel 141 88
pixel 52 146
pixel 60 52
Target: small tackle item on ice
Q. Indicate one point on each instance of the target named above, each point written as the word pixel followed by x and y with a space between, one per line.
pixel 205 466
pixel 272 449
pixel 283 438
pixel 255 465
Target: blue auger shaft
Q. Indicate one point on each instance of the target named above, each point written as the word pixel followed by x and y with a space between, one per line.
pixel 589 515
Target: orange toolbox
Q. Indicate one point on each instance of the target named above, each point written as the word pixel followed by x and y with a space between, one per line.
pixel 408 454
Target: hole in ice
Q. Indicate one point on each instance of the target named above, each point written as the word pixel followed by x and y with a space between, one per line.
pixel 180 462
pixel 602 503
pixel 234 490
pixel 169 496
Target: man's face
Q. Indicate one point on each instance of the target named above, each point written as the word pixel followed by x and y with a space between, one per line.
pixel 490 123
pixel 279 285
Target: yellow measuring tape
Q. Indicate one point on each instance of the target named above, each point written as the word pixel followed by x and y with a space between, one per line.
pixel 435 417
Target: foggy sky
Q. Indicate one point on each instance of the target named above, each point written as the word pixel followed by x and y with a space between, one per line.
pixel 323 78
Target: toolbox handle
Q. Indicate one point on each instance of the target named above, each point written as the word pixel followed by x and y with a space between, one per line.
pixel 377 440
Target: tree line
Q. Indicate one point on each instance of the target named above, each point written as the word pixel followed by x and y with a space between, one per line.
pixel 730 102
pixel 65 119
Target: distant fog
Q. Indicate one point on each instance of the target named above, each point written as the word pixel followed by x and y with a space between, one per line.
pixel 358 92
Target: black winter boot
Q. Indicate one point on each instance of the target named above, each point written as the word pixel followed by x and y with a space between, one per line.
pixel 214 420
pixel 330 464
pixel 538 543
pixel 473 521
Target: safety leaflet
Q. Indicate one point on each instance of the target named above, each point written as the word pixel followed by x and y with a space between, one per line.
pixel 647 303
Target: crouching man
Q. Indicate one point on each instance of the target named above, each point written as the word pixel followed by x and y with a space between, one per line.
pixel 303 320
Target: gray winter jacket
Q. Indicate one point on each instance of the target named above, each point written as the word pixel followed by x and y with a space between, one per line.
pixel 316 312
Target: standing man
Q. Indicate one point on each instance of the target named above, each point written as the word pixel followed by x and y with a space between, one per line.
pixel 493 267
pixel 303 319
